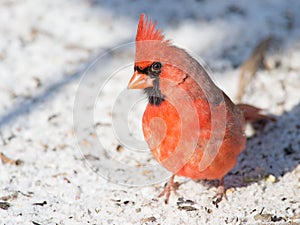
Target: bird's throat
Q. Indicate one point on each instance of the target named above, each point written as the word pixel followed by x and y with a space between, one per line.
pixel 155 97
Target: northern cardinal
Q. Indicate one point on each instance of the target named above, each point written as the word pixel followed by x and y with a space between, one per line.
pixel 192 128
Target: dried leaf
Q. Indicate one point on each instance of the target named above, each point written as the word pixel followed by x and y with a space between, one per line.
pixel 6 160
pixel 250 66
pixel 148 219
pixel 4 205
pixel 187 208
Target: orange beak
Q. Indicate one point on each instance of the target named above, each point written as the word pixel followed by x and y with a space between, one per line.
pixel 140 81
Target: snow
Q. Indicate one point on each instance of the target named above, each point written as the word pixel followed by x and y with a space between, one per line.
pixel 64 68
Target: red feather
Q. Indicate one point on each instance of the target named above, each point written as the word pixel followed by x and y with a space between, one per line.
pixel 147 30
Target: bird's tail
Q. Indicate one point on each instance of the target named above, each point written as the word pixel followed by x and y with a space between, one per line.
pixel 253 113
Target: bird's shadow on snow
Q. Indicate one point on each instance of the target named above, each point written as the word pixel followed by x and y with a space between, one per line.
pixel 273 150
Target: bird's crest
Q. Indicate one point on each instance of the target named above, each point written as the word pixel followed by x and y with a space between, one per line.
pixel 150 43
pixel 147 30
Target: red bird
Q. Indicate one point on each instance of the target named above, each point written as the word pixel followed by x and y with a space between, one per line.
pixel 192 128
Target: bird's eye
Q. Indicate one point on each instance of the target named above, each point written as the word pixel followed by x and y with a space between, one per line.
pixel 155 67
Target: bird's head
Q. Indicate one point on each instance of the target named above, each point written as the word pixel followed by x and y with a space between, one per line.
pixel 154 59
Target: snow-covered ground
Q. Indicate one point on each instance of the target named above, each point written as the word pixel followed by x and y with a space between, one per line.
pixel 64 68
